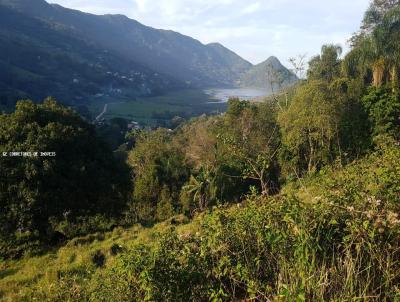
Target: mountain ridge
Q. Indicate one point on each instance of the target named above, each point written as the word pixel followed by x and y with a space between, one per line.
pixel 156 60
pixel 269 74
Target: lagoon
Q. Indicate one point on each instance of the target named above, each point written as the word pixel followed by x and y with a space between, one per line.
pixel 222 95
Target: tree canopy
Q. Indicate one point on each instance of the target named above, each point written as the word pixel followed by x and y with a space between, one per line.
pixel 80 177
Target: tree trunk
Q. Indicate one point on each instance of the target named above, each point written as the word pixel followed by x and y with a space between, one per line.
pixel 378 72
pixel 394 78
pixel 264 185
pixel 310 160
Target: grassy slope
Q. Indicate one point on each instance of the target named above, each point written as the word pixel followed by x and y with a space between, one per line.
pixel 65 273
pixel 41 276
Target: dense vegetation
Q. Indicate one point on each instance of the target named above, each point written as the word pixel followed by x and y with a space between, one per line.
pixel 292 199
pixel 41 196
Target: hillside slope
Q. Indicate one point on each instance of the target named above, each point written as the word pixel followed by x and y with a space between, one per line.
pixel 165 51
pixel 39 59
pixel 319 228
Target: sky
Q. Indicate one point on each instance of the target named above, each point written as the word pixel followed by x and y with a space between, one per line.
pixel 254 29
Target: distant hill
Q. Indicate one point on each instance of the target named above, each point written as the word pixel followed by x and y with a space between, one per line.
pixel 270 74
pixel 38 59
pixel 237 64
pixel 164 51
pixel 46 49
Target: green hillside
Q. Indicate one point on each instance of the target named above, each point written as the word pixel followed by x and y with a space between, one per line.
pixel 333 236
pixel 39 59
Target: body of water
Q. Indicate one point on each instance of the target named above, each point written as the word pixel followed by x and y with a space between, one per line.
pixel 223 95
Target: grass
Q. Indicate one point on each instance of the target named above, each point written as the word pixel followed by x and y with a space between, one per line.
pixel 183 103
pixel 42 276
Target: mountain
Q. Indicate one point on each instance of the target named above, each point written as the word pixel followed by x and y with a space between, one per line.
pixel 47 49
pixel 237 65
pixel 165 51
pixel 270 74
pixel 39 58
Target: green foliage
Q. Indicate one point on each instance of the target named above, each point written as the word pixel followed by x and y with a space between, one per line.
pixel 339 244
pixel 249 139
pixel 331 237
pixel 35 192
pixel 165 208
pixel 383 107
pixel 309 128
pixel 159 174
pixel 325 227
pixel 327 65
pixel 113 132
pixel 199 193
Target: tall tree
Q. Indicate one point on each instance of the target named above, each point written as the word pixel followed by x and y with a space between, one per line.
pixel 309 128
pixel 325 66
pixel 251 136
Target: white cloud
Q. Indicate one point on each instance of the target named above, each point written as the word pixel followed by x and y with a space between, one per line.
pixel 252 8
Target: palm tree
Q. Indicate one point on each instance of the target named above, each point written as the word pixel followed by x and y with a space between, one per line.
pixel 387 42
pixel 378 51
pixel 202 188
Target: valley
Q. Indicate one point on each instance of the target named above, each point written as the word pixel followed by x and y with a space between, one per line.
pixel 87 60
pixel 151 111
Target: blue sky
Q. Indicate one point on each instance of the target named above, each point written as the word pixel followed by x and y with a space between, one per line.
pixel 255 29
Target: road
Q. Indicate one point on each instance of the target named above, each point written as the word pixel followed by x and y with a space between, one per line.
pixel 102 113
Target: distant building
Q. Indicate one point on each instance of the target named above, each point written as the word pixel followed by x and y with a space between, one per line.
pixel 134 125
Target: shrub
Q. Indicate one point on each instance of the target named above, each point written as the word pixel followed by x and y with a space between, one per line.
pixel 339 243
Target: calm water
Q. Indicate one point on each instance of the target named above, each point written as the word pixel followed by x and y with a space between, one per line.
pixel 223 95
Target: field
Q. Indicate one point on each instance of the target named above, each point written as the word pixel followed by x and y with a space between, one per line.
pixel 149 110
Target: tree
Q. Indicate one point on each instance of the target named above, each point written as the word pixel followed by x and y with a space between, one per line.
pixel 251 138
pixel 299 65
pixel 383 108
pixel 202 142
pixel 377 49
pixel 80 178
pixel 159 166
pixel 165 208
pixel 200 191
pixel 327 65
pixel 376 12
pixel 309 128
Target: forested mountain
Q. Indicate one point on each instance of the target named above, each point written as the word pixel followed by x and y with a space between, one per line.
pixel 51 50
pixel 40 58
pixel 270 74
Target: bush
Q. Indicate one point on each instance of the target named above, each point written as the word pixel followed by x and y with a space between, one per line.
pixel 383 107
pixel 339 243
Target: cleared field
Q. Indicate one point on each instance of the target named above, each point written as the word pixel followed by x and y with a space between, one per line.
pixel 149 110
